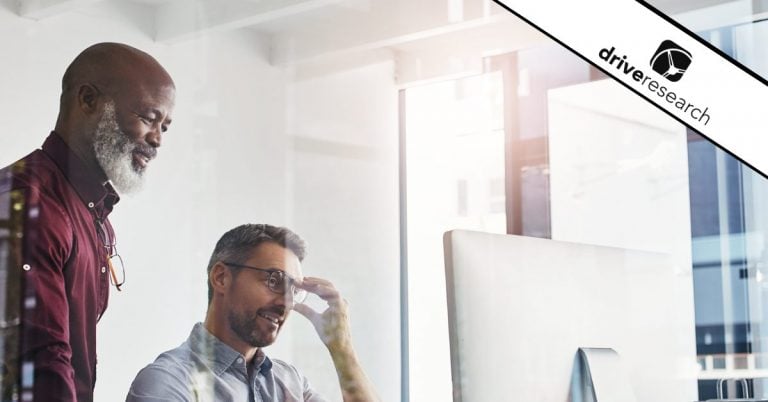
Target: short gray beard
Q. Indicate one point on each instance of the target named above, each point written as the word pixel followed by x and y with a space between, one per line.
pixel 114 152
pixel 245 327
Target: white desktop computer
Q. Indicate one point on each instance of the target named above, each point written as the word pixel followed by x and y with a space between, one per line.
pixel 520 308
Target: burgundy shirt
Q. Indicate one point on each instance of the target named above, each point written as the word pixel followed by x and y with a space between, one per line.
pixel 65 273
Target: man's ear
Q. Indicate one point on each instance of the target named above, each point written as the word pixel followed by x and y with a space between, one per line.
pixel 220 278
pixel 88 99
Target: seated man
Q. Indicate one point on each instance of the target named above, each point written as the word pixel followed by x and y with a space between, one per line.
pixel 254 280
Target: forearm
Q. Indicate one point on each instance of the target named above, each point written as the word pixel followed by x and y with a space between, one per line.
pixel 355 385
pixel 333 328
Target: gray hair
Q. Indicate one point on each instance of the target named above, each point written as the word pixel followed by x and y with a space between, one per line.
pixel 237 245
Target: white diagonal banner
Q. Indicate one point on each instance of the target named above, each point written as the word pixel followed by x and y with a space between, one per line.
pixel 663 64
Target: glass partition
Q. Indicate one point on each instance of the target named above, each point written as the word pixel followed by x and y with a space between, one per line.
pixel 369 128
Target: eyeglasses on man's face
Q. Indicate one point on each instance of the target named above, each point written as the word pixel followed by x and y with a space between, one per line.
pixel 278 282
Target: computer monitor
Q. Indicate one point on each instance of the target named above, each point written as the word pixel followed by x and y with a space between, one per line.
pixel 519 308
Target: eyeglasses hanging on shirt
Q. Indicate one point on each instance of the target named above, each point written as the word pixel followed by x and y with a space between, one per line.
pixel 114 261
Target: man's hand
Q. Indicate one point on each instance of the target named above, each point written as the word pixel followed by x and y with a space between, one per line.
pixel 332 325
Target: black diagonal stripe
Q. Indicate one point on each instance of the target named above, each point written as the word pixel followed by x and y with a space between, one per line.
pixel 561 43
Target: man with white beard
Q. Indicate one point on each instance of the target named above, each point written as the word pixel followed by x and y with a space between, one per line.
pixel 115 104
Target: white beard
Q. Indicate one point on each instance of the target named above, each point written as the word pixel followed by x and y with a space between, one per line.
pixel 114 152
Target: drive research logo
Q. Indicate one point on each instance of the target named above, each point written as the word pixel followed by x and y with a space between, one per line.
pixel 671 60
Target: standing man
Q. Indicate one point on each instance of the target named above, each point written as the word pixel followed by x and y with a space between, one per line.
pixel 116 102
pixel 254 280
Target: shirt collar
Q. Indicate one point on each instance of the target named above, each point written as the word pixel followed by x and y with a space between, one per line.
pixel 262 362
pixel 93 191
pixel 219 356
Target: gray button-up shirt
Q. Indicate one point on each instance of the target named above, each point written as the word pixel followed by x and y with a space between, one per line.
pixel 205 369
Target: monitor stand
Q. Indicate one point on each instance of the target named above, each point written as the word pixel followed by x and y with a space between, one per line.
pixel 598 376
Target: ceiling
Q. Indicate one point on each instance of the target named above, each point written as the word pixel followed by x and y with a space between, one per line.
pixel 298 30
pixel 303 30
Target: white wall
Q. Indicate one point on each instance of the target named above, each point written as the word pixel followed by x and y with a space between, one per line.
pixel 246 145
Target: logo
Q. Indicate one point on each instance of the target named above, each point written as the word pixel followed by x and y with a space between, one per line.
pixel 671 60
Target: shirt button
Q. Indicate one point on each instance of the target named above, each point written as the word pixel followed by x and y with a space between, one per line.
pixel 103 269
pixel 239 359
pixel 90 205
pixel 26 267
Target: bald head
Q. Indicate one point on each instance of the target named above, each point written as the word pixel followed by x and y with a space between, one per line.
pixel 116 86
pixel 112 67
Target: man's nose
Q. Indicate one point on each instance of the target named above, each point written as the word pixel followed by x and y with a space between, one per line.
pixel 285 299
pixel 155 136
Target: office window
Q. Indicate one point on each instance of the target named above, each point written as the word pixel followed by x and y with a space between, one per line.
pixel 728 225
